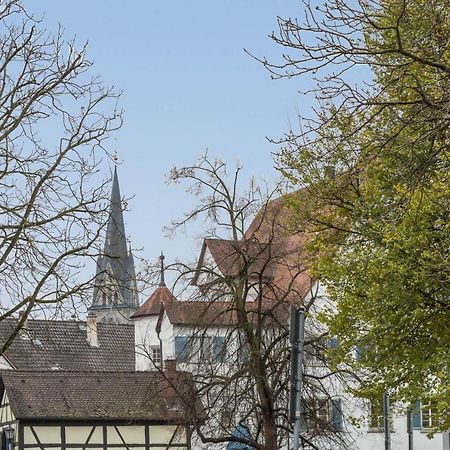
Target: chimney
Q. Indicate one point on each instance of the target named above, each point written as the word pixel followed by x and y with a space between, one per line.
pixel 91 330
pixel 24 330
pixel 170 371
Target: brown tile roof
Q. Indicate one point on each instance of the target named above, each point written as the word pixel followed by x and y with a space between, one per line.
pixel 152 306
pixel 270 248
pixel 199 313
pixel 220 313
pixel 231 257
pixel 57 344
pixel 97 395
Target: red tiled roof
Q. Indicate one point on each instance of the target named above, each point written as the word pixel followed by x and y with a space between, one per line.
pixel 270 248
pixel 152 306
pixel 200 313
pixel 274 224
pixel 232 257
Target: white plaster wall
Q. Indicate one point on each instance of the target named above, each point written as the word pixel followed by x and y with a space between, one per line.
pixel 4 364
pixel 368 440
pixel 145 336
pixel 132 434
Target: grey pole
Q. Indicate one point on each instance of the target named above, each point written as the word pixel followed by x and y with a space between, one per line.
pixel 409 418
pixel 387 422
pixel 300 319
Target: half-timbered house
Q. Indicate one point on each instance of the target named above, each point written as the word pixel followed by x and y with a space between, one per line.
pixel 43 410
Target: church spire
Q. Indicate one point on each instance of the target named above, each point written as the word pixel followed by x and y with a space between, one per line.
pixel 116 242
pixel 115 295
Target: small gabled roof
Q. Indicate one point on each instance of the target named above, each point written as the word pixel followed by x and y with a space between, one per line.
pixel 130 396
pixel 153 305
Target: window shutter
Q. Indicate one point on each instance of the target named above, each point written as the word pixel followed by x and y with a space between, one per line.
pixel 336 414
pixel 219 350
pixel 182 348
pixel 359 353
pixel 333 342
pixel 416 419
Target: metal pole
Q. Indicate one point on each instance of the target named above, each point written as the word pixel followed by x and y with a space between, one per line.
pixel 298 381
pixel 387 422
pixel 409 418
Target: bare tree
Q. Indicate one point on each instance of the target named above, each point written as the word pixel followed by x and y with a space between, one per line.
pixel 235 324
pixel 54 119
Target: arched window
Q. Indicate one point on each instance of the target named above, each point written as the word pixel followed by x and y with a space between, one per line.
pixel 104 298
pixel 116 298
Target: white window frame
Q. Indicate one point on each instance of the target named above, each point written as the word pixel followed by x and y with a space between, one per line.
pixel 427 419
pixel 155 359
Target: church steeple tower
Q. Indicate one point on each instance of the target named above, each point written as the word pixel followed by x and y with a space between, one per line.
pixel 115 296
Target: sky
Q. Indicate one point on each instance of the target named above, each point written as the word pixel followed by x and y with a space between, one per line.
pixel 187 85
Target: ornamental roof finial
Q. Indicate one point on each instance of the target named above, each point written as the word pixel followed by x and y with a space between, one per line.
pixel 161 260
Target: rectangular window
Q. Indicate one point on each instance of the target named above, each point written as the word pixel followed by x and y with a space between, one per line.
pixel 333 343
pixel 428 411
pixel 416 416
pixel 321 412
pixel 155 355
pixel 324 414
pixel 314 353
pixel 182 348
pixel 205 348
pixel 376 417
pixel 219 349
pixel 337 417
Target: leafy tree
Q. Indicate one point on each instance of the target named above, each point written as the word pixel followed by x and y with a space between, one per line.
pixel 54 119
pixel 375 160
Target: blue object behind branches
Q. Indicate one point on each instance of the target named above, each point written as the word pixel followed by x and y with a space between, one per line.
pixel 242 432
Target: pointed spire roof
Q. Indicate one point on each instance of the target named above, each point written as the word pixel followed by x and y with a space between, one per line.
pixel 115 267
pixel 116 242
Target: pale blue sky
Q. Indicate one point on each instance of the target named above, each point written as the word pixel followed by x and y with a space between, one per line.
pixel 188 85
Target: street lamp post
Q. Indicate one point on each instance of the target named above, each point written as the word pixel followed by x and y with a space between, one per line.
pixel 9 435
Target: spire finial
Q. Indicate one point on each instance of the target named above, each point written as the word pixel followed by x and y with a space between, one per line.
pixel 161 261
pixel 115 157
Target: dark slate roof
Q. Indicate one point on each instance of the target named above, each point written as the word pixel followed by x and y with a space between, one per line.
pixel 116 259
pixel 57 344
pixel 139 396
